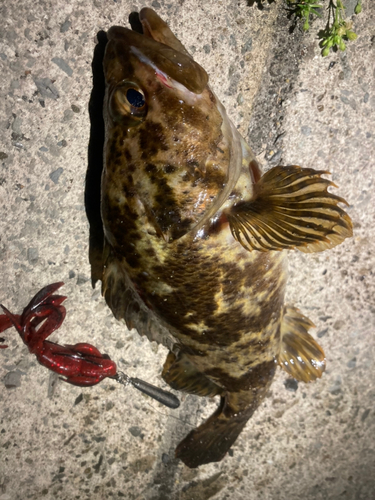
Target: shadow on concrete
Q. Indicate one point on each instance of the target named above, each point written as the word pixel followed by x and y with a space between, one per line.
pixel 95 161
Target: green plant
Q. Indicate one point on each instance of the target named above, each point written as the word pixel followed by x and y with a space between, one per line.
pixel 358 7
pixel 303 9
pixel 338 30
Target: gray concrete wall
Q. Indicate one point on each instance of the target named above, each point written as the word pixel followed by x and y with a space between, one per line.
pixel 312 441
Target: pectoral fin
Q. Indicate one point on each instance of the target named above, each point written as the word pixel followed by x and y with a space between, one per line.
pixel 300 355
pixel 292 208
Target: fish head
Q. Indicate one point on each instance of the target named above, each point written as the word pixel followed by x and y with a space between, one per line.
pixel 169 153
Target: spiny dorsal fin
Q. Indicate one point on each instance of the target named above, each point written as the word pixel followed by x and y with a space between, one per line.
pixel 292 208
pixel 300 355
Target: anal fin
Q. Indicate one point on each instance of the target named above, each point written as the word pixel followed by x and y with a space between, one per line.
pixel 300 355
pixel 181 375
pixel 292 208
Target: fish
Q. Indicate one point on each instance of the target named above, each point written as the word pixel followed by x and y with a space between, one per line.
pixel 196 235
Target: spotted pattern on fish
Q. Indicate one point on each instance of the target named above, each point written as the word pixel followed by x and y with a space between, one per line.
pixel 196 238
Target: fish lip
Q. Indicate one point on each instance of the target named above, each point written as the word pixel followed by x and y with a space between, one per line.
pixel 178 65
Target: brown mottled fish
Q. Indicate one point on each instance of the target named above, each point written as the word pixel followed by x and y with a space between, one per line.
pixel 196 237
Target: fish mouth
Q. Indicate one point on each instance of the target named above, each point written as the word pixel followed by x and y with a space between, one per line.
pixel 158 47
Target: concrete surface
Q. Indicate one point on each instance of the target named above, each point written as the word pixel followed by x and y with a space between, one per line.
pixel 310 442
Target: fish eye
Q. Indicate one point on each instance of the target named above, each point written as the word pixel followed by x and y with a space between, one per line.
pixel 135 98
pixel 127 101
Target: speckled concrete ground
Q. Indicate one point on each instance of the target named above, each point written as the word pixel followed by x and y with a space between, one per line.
pixel 311 442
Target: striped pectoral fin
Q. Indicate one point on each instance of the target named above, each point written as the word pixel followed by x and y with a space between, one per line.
pixel 181 375
pixel 292 208
pixel 300 355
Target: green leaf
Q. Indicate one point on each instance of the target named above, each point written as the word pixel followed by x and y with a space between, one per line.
pixel 351 35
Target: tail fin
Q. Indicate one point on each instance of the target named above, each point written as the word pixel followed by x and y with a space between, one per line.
pixel 211 440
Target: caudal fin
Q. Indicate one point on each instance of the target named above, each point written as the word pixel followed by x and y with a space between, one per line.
pixel 211 441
